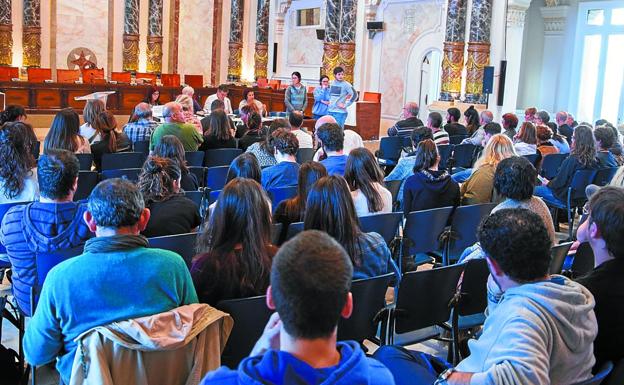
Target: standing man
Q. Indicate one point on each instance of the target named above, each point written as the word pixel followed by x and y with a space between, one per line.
pixel 222 93
pixel 340 91
pixel 410 121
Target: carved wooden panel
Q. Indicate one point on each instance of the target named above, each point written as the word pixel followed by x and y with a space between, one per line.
pixel 47 98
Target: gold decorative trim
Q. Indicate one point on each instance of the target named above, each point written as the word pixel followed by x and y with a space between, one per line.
pixel 31 42
pixel 261 60
pixel 330 57
pixel 234 60
pixel 154 54
pixel 346 58
pixel 6 44
pixel 452 65
pixel 478 58
pixel 131 52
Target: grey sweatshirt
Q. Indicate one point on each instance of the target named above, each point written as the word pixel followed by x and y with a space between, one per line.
pixel 535 334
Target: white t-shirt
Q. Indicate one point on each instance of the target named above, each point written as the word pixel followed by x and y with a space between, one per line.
pixel 29 193
pixel 87 131
pixel 226 101
pixel 305 139
pixel 361 205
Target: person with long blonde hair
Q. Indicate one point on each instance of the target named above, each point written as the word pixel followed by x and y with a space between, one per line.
pixel 480 186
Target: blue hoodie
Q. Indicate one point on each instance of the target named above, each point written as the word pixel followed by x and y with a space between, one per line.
pixel 277 367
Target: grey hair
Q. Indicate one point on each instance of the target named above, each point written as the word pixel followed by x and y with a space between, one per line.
pixel 412 108
pixel 188 90
pixel 169 107
pixel 486 117
pixel 116 203
pixel 142 111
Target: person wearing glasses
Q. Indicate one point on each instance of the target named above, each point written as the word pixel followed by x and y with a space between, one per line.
pixel 175 125
pixel 321 98
pixel 410 121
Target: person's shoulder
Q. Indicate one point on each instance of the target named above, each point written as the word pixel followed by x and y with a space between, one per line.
pixel 379 374
pixel 223 375
pixel 373 239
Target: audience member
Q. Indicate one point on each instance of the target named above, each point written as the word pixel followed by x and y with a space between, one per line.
pixel 222 95
pixel 321 98
pixel 365 180
pixel 253 133
pixel 471 116
pixel 187 110
pixel 190 92
pixel 152 96
pixel 219 133
pixel 429 187
pixel 170 147
pixel 541 117
pixel 557 140
pixel 171 212
pixel 116 278
pixel 331 138
pixel 18 174
pixel 235 251
pixel 296 95
pixel 452 126
pixel 525 141
pixel 539 328
pixel 13 113
pixel 245 166
pixel 64 133
pixel 545 147
pixel 111 140
pixel 479 187
pixel 529 114
pixel 92 109
pixel 264 150
pixel 571 122
pixel 175 125
pixel 342 95
pixel 603 230
pixel 142 128
pixel 489 130
pixel 330 208
pixel 605 139
pixel 295 119
pixel 351 138
pixel 476 137
pixel 410 121
pixel 510 123
pixel 285 172
pixel 564 129
pixel 434 121
pixel 310 283
pixel 250 100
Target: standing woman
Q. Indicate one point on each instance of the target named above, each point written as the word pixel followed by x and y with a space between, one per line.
pixel 365 179
pixel 64 133
pixel 321 98
pixel 18 172
pixel 296 97
pixel 169 146
pixel 152 97
pixel 91 111
pixel 112 141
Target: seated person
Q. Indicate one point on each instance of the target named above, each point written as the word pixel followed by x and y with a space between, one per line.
pixel 263 150
pixel 544 145
pixel 219 133
pixel 365 179
pixel 310 283
pixel 525 141
pixel 285 172
pixel 235 251
pixel 452 126
pixel 171 147
pixel 434 121
pixel 539 328
pixel 331 138
pixel 18 171
pixel 489 130
pixel 111 140
pixel 296 127
pixel 222 96
pixel 190 92
pixel 250 100
pixel 603 231
pixel 90 112
pixel 64 133
pixel 510 123
pixel 330 208
pixel 116 278
pixel 171 212
pixel 605 139
pixel 53 223
pixel 219 105
pixel 175 125
pixel 143 125
pixel 187 110
pixel 253 133
pixel 410 121
pixel 559 140
pixel 476 137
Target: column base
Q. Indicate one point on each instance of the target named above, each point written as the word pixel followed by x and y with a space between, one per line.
pixel 154 54
pixel 130 52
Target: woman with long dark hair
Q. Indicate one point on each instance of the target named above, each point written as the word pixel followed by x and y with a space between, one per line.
pixel 111 140
pixel 365 179
pixel 235 252
pixel 330 208
pixel 64 133
pixel 253 132
pixel 249 99
pixel 171 212
pixel 170 147
pixel 18 175
pixel 152 96
pixel 218 133
pixel 471 115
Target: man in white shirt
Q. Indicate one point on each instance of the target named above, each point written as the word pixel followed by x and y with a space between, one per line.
pixel 351 138
pixel 296 121
pixel 222 93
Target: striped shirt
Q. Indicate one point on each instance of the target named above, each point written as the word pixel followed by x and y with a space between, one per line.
pixel 441 137
pixel 140 130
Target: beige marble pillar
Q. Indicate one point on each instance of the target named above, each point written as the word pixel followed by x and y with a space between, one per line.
pixel 154 37
pixel 6 33
pixel 131 36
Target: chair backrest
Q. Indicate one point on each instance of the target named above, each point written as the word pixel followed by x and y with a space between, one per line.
pixel 216 176
pixel 250 316
pixel 195 196
pixel 86 161
pixel 558 255
pixel 170 80
pixel 604 175
pixel 533 158
pixel 4 208
pixel 385 224
pixel 294 229
pixel 276 232
pixel 67 76
pixel 195 81
pixel 600 376
pixel 95 75
pixel 279 194
pixel 38 75
pixel 616 377
pixel 394 186
pixel 214 195
pixel 87 180
pixel 457 139
pixel 374 97
pixel 8 73
pixel 305 155
pixel 183 244
pixel 390 147
pixel 369 296
pixel 424 297
pixel 200 174
pixel 121 77
pixel 473 291
pixel 141 146
pixel 131 174
pixel 36 149
pixel 551 164
pixel 262 82
pixel 583 261
pixel 221 156
pixel 194 158
pixel 445 153
pixel 423 228
pixel 146 78
pixel 463 155
pixel 464 225
pixel 580 181
pixel 118 160
pixel 44 262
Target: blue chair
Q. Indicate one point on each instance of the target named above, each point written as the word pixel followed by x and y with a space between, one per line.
pixel 131 174
pixel 119 160
pixel 604 175
pixel 141 146
pixel 87 180
pixel 194 158
pixel 445 153
pixel 616 377
pixel 390 150
pixel 44 262
pixel 276 231
pixel 558 255
pixel 86 161
pixel 551 164
pixel 214 195
pixel 533 158
pixel 294 229
pixel 385 224
pixel 457 139
pixel 183 244
pixel 463 231
pixel 463 155
pixel 221 157
pixel 279 194
pixel 195 196
pixel 200 174
pixel 305 155
pixel 216 176
pixel 605 370
pixel 421 234
pixel 394 186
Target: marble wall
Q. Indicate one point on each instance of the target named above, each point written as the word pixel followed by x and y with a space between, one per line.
pixel 194 47
pixel 303 47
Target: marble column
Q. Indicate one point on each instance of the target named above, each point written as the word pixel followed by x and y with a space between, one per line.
pixel 6 33
pixel 339 44
pixel 235 44
pixel 331 42
pixel 516 13
pixel 555 18
pixel 261 55
pixel 131 36
pixel 154 37
pixel 217 19
pixel 478 50
pixel 453 61
pixel 31 34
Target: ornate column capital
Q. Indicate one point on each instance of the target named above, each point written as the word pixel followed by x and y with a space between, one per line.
pixel 280 16
pixel 554 19
pixel 515 16
pixel 370 9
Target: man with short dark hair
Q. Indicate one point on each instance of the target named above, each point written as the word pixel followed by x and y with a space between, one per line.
pixel 340 91
pixel 54 223
pixel 539 328
pixel 296 127
pixel 176 125
pixel 310 284
pixel 221 94
pixel 144 126
pixel 434 121
pixel 603 231
pixel 116 278
pixel 286 171
pixel 331 138
pixel 541 118
pixel 605 139
pixel 410 121
pixel 453 127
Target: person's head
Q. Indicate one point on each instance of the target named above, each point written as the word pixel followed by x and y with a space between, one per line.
pixel 486 117
pixel 57 175
pixel 13 113
pixel 245 166
pixel 296 78
pixel 64 131
pixel 267 142
pixel 324 81
pixel 172 113
pixel 309 173
pixel 295 119
pixel 602 122
pixel 570 121
pixel 254 121
pixel 604 226
pixel 105 125
pixel 143 111
pixel 527 133
pixel 426 156
pixel 410 110
pixel 222 91
pixel 453 115
pixel 330 208
pixel 529 114
pixel 285 144
pixel 605 137
pixel 434 120
pixel 219 127
pixel 16 159
pixel 361 173
pixel 331 136
pixel 561 117
pixel 186 102
pixel 419 134
pixel 116 206
pixel 498 148
pixel 322 120
pixel 510 121
pixel 583 145
pixel 516 245
pixel 471 115
pixel 159 179
pixel 249 95
pixel 515 178
pixel 543 133
pixel 489 130
pixel 218 105
pixel 188 91
pixel 152 95
pixel 310 283
pixel 339 73
pixel 169 146
pixel 542 117
pixel 92 110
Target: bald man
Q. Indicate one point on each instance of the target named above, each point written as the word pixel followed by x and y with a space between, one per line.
pixel 351 138
pixel 478 136
pixel 176 126
pixel 143 127
pixel 410 121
